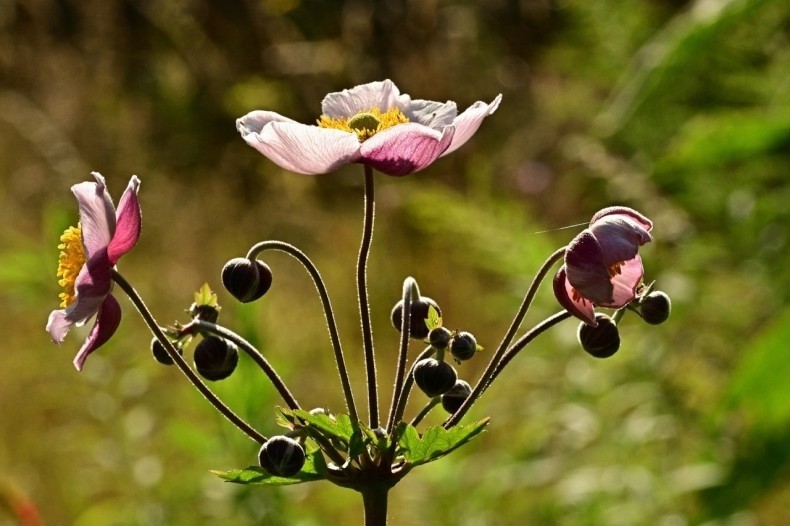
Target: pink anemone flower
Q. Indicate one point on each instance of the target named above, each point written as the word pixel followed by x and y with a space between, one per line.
pixel 372 124
pixel 88 255
pixel 602 265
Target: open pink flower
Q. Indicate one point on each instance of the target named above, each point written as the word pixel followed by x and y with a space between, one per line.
pixel 88 254
pixel 602 265
pixel 372 124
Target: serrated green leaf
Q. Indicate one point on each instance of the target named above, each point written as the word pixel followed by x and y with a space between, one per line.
pixel 205 296
pixel 433 321
pixel 314 469
pixel 436 442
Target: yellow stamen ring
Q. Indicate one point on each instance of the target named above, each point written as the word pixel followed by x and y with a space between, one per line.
pixel 70 262
pixel 365 124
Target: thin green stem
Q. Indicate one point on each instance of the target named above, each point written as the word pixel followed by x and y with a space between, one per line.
pixel 522 342
pixel 433 402
pixel 485 379
pixel 182 364
pixel 362 294
pixel 409 285
pixel 328 313
pixel 256 356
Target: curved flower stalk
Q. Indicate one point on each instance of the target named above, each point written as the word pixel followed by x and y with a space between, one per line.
pixel 372 124
pixel 602 264
pixel 88 254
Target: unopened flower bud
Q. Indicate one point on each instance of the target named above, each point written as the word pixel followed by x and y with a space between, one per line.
pixel 601 341
pixel 208 313
pixel 215 358
pixel 455 397
pixel 463 346
pixel 440 337
pixel 281 456
pixel 160 354
pixel 419 313
pixel 655 307
pixel 434 377
pixel 246 280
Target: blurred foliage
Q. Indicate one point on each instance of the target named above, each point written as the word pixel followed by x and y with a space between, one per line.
pixel 679 109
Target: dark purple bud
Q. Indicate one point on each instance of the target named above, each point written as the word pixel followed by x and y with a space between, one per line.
pixel 160 354
pixel 246 280
pixel 601 341
pixel 655 307
pixel 463 346
pixel 419 313
pixel 455 397
pixel 215 358
pixel 434 377
pixel 281 456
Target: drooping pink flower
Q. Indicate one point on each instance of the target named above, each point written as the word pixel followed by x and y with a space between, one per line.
pixel 602 265
pixel 372 124
pixel 88 254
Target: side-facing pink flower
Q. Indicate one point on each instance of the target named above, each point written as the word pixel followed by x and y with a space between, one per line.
pixel 88 254
pixel 372 124
pixel 602 265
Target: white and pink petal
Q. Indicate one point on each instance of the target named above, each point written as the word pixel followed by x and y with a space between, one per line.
pixel 305 149
pixel 467 123
pixel 383 95
pixel 97 213
pixel 107 321
pixel 406 148
pixel 128 223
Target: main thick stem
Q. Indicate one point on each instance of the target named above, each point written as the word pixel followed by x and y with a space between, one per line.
pixel 374 499
pixel 362 294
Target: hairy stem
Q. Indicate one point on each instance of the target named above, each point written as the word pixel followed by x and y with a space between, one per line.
pixel 374 499
pixel 409 286
pixel 182 364
pixel 486 378
pixel 362 294
pixel 328 313
pixel 253 353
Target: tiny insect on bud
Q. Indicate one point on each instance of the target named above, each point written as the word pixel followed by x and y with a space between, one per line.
pixel 215 358
pixel 419 313
pixel 246 280
pixel 434 377
pixel 455 397
pixel 463 346
pixel 281 456
pixel 601 341
pixel 655 307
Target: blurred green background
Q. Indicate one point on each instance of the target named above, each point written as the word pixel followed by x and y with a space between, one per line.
pixel 678 109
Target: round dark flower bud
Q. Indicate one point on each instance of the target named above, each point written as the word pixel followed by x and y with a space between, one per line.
pixel 655 307
pixel 434 377
pixel 204 312
pixel 601 341
pixel 440 337
pixel 246 280
pixel 455 397
pixel 463 346
pixel 419 313
pixel 215 358
pixel 281 456
pixel 160 354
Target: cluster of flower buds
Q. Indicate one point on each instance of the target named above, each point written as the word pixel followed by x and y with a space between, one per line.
pixel 433 375
pixel 603 339
pixel 214 358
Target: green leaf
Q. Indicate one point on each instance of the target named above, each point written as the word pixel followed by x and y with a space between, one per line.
pixel 335 427
pixel 436 442
pixel 314 469
pixel 433 321
pixel 205 296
